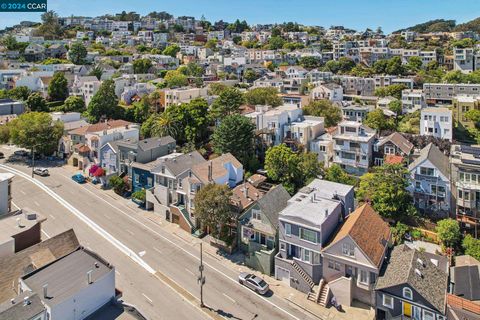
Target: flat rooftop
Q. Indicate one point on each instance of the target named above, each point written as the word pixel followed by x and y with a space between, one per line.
pixel 67 276
pixel 14 223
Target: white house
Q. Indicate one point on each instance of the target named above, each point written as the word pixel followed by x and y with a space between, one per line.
pixel 413 100
pixel 328 91
pixel 436 122
pixel 86 87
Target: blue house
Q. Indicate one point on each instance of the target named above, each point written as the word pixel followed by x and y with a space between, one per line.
pixel 142 177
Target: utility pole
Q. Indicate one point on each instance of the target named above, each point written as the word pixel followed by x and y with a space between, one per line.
pixel 33 160
pixel 201 278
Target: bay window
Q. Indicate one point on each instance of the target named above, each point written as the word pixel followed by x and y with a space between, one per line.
pixel 308 235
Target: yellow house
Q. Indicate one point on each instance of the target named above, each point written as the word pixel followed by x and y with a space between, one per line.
pixel 461 105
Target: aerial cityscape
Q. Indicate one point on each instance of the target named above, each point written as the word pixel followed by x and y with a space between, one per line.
pixel 196 161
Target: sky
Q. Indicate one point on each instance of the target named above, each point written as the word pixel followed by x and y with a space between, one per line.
pixel 391 15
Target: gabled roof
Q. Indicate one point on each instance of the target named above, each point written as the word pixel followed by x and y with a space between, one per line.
pixel 100 126
pixel 408 266
pixel 244 195
pixel 368 230
pixel 435 156
pixel 399 140
pixel 274 201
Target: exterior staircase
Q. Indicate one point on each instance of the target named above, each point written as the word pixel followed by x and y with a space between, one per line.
pixel 303 274
pixel 324 294
pixel 320 293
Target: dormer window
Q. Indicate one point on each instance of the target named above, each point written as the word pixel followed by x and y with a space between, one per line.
pixel 407 293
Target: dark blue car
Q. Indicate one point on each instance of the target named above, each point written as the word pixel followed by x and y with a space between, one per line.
pixel 78 178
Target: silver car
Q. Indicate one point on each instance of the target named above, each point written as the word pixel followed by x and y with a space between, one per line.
pixel 43 172
pixel 253 282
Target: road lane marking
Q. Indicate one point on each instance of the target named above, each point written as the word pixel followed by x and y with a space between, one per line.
pixel 46 234
pixel 148 299
pixel 116 271
pixel 107 216
pixel 23 192
pixel 53 218
pixel 189 272
pixel 229 298
pixel 164 238
pixel 107 236
pixel 130 232
pixel 158 250
pixel 142 253
pixel 36 203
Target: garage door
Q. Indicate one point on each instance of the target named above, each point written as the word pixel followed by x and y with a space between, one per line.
pixel 283 275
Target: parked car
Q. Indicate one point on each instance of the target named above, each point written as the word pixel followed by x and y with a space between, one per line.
pixel 253 282
pixel 78 178
pixel 43 172
pixel 21 153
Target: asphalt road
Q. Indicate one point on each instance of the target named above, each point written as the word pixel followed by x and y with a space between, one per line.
pixel 171 291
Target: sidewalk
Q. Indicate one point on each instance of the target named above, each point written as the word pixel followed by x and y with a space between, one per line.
pixel 294 297
pixel 235 262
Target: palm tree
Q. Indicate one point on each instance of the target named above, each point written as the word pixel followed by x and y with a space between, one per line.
pixel 166 125
pixel 97 71
pixel 154 98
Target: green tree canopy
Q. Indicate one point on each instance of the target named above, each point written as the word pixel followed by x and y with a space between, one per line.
pixel 77 53
pixel 104 103
pixel 336 174
pixel 385 188
pixel 171 50
pixel 235 134
pixel 448 231
pixel 396 106
pixel 326 109
pixel 342 65
pixel 58 88
pixel 36 102
pixel 471 246
pixel 310 62
pixel 19 93
pixel 263 96
pixel 174 78
pixel 4 134
pixel 228 102
pixel 72 104
pixel 394 90
pixel 36 129
pixel 377 120
pixel 212 207
pixel 142 65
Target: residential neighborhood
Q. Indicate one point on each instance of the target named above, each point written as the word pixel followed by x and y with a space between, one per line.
pixel 161 166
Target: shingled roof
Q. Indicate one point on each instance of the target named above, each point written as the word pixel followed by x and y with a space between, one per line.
pixel 430 281
pixel 399 140
pixel 368 230
pixel 435 156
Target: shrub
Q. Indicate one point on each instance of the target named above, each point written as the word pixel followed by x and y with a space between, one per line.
pixel 118 184
pixel 140 195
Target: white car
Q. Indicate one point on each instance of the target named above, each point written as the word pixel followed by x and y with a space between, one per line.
pixel 43 172
pixel 253 282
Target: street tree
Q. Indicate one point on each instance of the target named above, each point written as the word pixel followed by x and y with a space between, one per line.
pixel 19 93
pixel 235 134
pixel 471 246
pixel 213 209
pixel 36 130
pixel 58 87
pixel 326 109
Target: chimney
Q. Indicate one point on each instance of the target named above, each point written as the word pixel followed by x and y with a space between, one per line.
pixel 12 301
pixel 326 212
pixel 26 302
pixel 89 277
pixel 45 290
pixel 19 222
pixel 245 191
pixel 96 265
pixel 210 170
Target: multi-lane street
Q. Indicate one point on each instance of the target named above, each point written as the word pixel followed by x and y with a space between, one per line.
pixel 156 270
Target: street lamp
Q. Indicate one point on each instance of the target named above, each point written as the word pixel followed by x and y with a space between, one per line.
pixel 201 278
